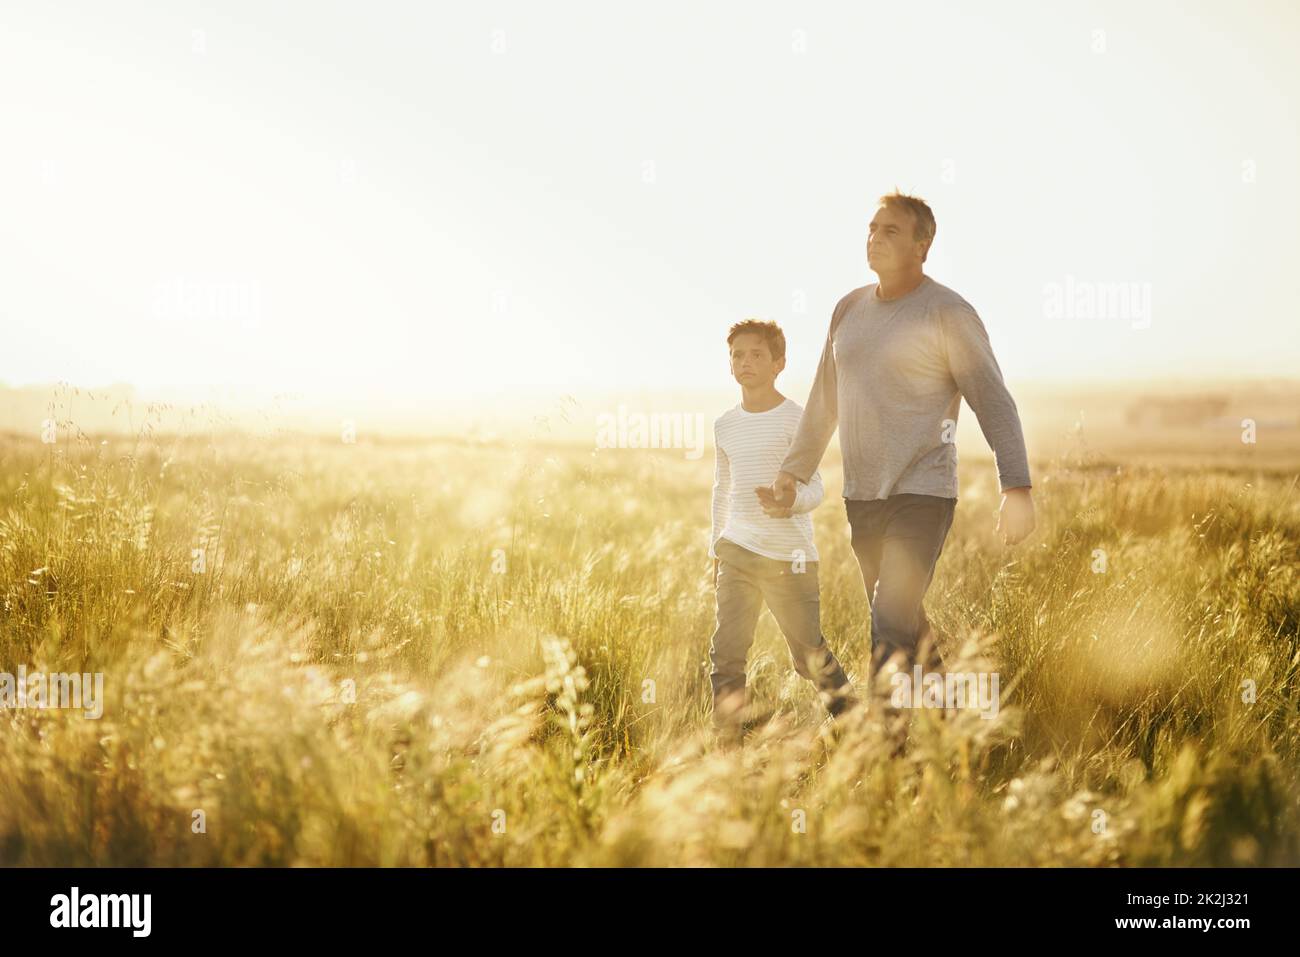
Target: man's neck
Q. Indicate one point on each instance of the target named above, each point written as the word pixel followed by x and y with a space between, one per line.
pixel 897 285
pixel 761 399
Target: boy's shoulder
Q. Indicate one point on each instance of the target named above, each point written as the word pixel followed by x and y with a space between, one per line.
pixel 728 416
pixel 736 413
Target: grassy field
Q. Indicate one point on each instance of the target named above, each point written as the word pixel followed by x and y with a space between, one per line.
pixel 439 653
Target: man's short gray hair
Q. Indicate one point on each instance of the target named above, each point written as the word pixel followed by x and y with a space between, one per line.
pixel 925 226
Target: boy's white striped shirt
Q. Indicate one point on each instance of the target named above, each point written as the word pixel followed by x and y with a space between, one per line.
pixel 749 448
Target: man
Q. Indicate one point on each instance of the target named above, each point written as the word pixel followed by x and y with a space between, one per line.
pixel 900 355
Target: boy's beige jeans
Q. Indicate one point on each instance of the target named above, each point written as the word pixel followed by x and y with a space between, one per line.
pixel 745 581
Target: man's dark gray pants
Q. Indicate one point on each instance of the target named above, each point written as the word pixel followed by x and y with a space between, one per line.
pixel 898 541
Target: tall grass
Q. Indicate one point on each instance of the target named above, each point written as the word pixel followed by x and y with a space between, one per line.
pixel 457 654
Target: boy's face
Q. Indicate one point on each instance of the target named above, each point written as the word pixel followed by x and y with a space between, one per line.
pixel 752 363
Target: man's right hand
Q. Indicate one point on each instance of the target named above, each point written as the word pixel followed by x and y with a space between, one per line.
pixel 784 489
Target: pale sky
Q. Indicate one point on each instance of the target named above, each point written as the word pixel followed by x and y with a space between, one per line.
pixel 419 199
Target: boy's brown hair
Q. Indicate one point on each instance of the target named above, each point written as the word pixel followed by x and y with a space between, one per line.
pixel 770 332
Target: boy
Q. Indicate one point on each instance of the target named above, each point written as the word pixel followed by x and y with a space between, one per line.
pixel 760 551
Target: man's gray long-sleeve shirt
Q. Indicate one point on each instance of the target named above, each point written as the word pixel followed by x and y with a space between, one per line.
pixel 892 376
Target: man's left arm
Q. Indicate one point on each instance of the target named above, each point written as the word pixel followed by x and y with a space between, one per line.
pixel 976 372
pixel 978 377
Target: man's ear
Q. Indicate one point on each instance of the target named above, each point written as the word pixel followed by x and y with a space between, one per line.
pixel 780 365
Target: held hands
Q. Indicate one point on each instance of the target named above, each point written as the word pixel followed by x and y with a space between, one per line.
pixel 778 501
pixel 1016 516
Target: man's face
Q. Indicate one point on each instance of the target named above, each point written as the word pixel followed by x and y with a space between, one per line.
pixel 752 363
pixel 891 240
